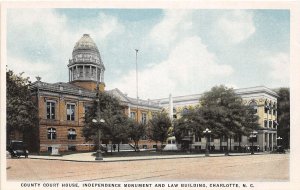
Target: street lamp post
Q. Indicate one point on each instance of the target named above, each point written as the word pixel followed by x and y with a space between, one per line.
pixel 98 120
pixel 206 132
pixel 98 153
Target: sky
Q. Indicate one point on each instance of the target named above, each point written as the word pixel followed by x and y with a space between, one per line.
pixel 181 51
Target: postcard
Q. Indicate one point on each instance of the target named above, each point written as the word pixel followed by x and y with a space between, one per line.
pixel 150 95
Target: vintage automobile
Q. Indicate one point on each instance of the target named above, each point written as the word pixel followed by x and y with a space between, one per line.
pixel 280 149
pixel 17 149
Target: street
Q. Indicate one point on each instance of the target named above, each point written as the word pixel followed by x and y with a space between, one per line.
pixel 267 167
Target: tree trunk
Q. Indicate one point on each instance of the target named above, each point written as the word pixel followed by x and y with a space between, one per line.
pixel 118 147
pixel 227 148
pixel 111 148
pixel 230 142
pixel 239 143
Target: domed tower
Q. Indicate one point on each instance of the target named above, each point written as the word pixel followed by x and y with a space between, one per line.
pixel 86 66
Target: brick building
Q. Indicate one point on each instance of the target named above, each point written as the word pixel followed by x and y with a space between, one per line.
pixel 62 106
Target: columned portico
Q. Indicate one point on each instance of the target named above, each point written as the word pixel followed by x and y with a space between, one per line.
pixel 271 148
pixel 267 142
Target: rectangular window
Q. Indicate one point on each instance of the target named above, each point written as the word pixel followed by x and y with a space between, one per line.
pixel 144 118
pixel 237 138
pixel 72 134
pixel 49 148
pixel 266 109
pixel 197 147
pixel 253 139
pixel 270 124
pixel 265 123
pixel 197 138
pixel 50 110
pixel 70 112
pixel 132 115
pixel 51 133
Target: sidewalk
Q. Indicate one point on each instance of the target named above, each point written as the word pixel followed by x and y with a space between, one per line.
pixel 88 157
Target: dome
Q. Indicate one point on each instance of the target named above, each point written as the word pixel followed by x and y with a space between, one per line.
pixel 86 48
pixel 86 67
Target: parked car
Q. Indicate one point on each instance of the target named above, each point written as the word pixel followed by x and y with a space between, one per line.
pixel 17 149
pixel 280 149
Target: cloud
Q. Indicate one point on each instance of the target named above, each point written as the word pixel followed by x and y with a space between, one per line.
pixel 30 69
pixel 235 26
pixel 188 68
pixel 108 25
pixel 280 65
pixel 43 37
pixel 173 25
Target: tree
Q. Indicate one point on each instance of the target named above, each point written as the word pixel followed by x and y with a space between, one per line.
pixel 21 110
pixel 159 128
pixel 192 122
pixel 226 114
pixel 283 116
pixel 249 124
pixel 114 128
pixel 136 131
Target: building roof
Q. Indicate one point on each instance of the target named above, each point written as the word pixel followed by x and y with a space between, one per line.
pixel 62 87
pixel 86 51
pixel 71 89
pixel 85 43
pixel 67 88
pixel 133 101
pixel 241 92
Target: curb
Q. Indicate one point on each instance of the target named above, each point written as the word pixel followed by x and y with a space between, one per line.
pixel 142 159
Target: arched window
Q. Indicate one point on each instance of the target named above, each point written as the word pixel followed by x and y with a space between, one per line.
pixel 72 134
pixel 253 105
pixel 51 133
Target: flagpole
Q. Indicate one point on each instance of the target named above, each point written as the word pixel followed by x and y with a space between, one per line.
pixel 137 86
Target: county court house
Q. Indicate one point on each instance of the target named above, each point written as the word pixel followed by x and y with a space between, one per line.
pixel 62 106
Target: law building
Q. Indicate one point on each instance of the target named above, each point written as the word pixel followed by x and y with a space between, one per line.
pixel 62 106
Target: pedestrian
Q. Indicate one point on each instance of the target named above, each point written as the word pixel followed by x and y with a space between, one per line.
pixel 114 147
